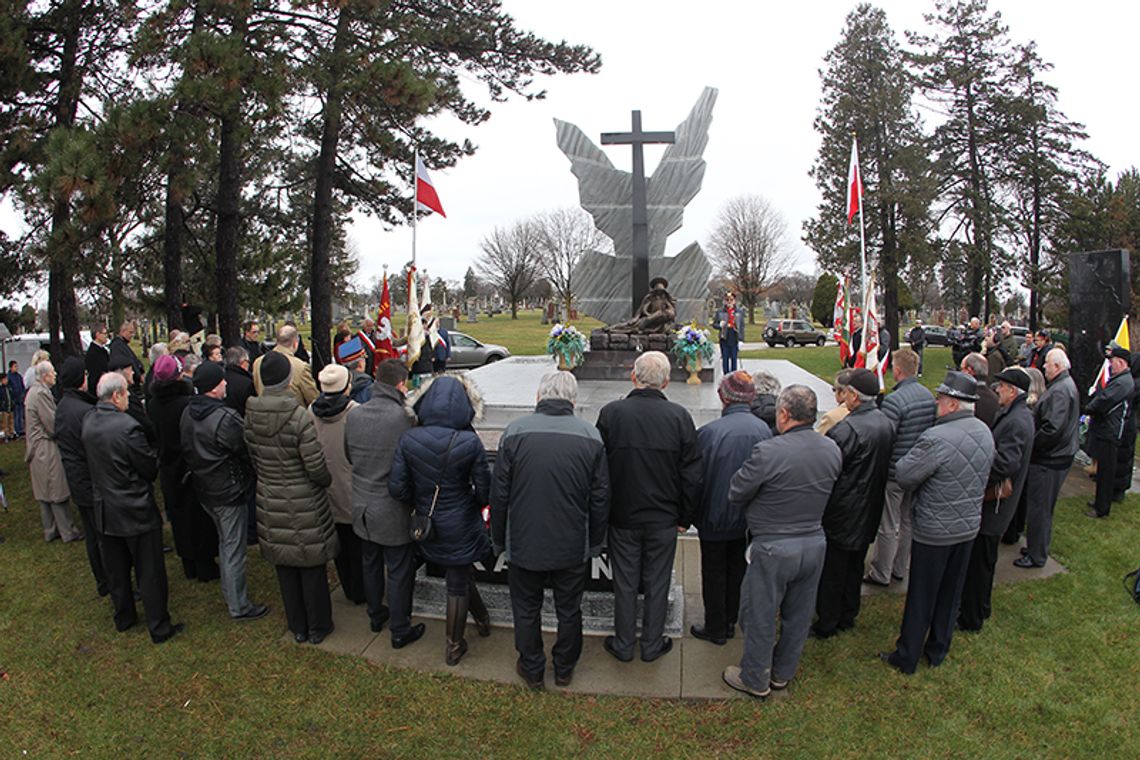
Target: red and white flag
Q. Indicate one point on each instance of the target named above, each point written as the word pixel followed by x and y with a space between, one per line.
pixel 869 350
pixel 841 321
pixel 854 185
pixel 426 197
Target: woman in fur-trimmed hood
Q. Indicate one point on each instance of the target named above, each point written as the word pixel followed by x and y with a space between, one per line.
pixel 443 452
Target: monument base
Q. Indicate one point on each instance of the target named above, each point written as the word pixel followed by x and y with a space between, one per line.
pixel 611 357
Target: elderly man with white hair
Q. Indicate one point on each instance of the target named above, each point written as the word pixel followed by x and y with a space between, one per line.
pixel 1057 419
pixel 550 504
pixel 655 486
pixel 49 481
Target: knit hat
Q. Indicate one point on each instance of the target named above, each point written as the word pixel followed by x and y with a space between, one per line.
pixel 350 351
pixel 865 381
pixel 275 369
pixel 167 367
pixel 1015 376
pixel 737 388
pixel 208 376
pixel 334 379
pixel 71 374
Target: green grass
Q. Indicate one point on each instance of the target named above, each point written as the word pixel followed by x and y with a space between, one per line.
pixel 1054 674
pixel 824 362
pixel 523 336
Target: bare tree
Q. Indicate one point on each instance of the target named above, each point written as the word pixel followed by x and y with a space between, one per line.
pixel 750 246
pixel 563 236
pixel 510 261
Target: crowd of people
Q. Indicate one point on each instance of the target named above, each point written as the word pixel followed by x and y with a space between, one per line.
pixel 352 467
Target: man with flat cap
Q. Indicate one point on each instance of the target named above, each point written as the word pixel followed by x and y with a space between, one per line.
pixel 946 471
pixel 1013 445
pixel 1108 411
pixel 851 519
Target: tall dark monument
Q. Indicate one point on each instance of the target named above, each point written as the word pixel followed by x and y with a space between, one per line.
pixel 1099 297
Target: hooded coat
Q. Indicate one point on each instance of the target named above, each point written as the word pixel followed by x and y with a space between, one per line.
pixel 49 482
pixel 294 522
pixel 422 463
pixel 329 414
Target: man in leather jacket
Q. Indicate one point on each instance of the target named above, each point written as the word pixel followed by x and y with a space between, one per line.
pixel 1108 411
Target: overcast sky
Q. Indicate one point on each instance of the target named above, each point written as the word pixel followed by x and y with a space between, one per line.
pixel 764 58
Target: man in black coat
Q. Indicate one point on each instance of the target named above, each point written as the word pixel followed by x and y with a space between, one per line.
pixel 917 339
pixel 1108 412
pixel 866 439
pixel 120 363
pixel 98 356
pixel 239 380
pixel 123 467
pixel 655 484
pixel 550 503
pixel 72 409
pixel 121 355
pixel 978 367
pixel 212 437
pixel 1055 442
pixel 1013 445
pixel 251 341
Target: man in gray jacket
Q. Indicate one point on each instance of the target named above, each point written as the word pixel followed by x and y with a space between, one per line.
pixel 783 487
pixel 910 406
pixel 1057 417
pixel 383 523
pixel 946 472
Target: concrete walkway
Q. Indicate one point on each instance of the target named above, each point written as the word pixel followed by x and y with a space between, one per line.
pixel 691 671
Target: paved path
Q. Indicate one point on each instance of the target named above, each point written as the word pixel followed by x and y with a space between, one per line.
pixel 691 671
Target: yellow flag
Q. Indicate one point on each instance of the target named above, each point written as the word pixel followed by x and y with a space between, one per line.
pixel 1121 338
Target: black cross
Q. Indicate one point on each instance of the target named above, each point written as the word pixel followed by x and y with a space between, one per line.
pixel 640 248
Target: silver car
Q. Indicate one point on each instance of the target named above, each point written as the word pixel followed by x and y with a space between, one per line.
pixel 466 352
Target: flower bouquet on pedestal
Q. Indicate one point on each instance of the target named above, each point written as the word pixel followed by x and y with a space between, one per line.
pixel 691 346
pixel 567 344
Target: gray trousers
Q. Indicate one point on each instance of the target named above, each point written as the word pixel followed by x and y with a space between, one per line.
pixel 892 544
pixel 641 557
pixel 1043 486
pixel 56 519
pixel 782 579
pixel 232 525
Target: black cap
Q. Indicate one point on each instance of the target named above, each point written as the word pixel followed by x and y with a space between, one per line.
pixel 71 373
pixel 1014 377
pixel 865 381
pixel 118 361
pixel 1116 351
pixel 275 368
pixel 208 376
pixel 958 385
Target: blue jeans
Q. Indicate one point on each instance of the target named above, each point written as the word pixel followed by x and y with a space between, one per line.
pixel 231 524
pixel 18 417
pixel 728 351
pixel 782 577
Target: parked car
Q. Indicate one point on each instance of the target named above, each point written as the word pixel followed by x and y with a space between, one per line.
pixel 792 332
pixel 466 352
pixel 936 335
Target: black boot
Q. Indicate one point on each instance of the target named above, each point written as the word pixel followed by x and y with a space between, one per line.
pixel 456 623
pixel 479 611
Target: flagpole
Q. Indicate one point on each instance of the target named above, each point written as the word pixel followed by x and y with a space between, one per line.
pixel 862 231
pixel 416 200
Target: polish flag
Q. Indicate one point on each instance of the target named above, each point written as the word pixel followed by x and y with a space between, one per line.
pixel 869 351
pixel 854 185
pixel 841 321
pixel 426 197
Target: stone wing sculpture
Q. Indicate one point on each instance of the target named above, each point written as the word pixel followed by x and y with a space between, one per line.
pixel 603 282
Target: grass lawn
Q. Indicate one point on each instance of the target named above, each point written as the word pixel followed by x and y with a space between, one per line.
pixel 1054 674
pixel 523 336
pixel 824 362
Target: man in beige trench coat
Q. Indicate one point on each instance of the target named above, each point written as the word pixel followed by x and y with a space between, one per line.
pixel 49 482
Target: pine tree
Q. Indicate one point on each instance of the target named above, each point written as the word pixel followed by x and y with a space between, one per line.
pixel 867 93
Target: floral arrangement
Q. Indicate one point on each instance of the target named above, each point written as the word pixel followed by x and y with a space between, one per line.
pixel 689 343
pixel 566 343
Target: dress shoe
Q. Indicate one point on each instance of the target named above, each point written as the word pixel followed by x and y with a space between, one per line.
pixel 1025 563
pixel 1023 551
pixel 317 638
pixel 896 577
pixel 73 539
pixel 699 632
pixel 873 582
pixel 1093 513
pixel 254 612
pixel 563 679
pixel 731 632
pixel 608 645
pixel 731 676
pixel 886 658
pixel 531 682
pixel 666 648
pixel 175 629
pixel 414 634
pixel 816 633
pixel 300 638
pixel 377 623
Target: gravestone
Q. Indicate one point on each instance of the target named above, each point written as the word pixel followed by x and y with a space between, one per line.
pixel 605 283
pixel 1099 297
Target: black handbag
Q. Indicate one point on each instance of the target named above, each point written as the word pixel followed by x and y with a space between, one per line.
pixel 421 524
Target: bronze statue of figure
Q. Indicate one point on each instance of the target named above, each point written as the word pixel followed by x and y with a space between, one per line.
pixel 655 316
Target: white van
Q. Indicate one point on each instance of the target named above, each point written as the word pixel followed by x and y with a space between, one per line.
pixel 21 348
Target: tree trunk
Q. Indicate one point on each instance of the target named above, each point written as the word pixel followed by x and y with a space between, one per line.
pixel 172 248
pixel 320 290
pixel 225 249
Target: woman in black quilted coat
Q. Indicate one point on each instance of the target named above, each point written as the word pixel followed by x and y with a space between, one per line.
pixel 443 451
